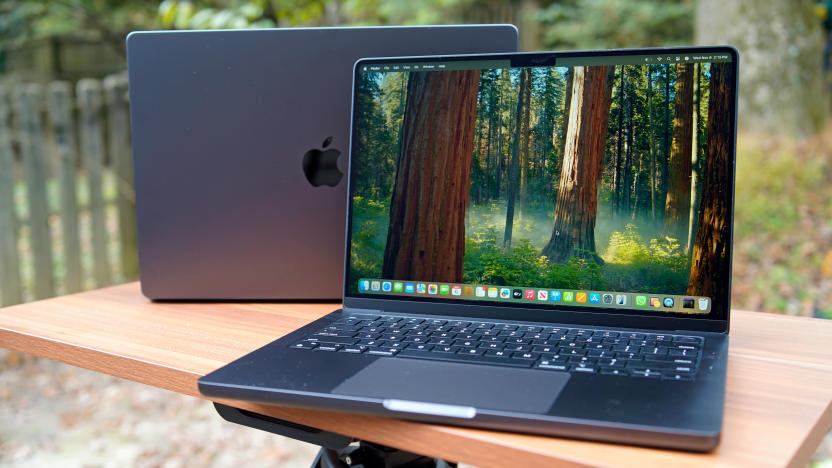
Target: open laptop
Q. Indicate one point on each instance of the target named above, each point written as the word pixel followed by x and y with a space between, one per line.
pixel 236 142
pixel 587 317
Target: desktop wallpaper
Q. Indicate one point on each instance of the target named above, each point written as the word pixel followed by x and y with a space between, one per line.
pixel 599 177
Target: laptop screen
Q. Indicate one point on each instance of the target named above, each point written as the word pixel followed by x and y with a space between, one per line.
pixel 572 181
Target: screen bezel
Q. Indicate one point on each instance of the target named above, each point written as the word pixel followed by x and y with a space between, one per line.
pixel 716 320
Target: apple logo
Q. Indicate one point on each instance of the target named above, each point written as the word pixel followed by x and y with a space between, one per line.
pixel 321 167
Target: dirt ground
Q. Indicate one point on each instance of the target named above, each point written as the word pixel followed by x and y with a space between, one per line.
pixel 53 414
pixel 58 415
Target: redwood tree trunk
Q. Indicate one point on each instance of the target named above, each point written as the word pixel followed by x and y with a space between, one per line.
pixel 650 142
pixel 677 201
pixel 576 208
pixel 525 153
pixel 511 189
pixel 616 176
pixel 566 109
pixel 665 141
pixel 709 262
pixel 695 174
pixel 426 236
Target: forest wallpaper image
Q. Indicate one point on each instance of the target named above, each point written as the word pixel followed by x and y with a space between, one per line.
pixel 606 178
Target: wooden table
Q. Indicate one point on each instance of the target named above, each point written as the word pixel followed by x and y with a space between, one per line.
pixel 778 405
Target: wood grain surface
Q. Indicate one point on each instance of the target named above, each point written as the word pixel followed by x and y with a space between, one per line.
pixel 778 405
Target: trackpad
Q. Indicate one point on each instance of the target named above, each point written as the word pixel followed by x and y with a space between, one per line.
pixel 478 386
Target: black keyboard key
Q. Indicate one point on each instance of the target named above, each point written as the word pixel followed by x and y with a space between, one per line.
pixel 355 349
pixel 688 347
pixel 489 346
pixel 551 365
pixel 368 336
pixel 441 341
pixel 466 343
pixel 445 349
pixel 467 359
pixel 344 328
pixel 372 343
pixel 582 369
pixel 492 339
pixel 498 353
pixel 633 336
pixel 360 317
pixel 382 351
pixel 582 360
pixel 687 339
pixel 420 347
pixel 336 339
pixel 470 351
pixel 305 345
pixel 328 347
pixel 646 374
pixel 661 358
pixel 614 371
pixel 335 334
pixel 679 377
pixel 526 356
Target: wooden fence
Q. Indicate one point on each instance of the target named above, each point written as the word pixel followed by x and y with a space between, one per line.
pixel 67 217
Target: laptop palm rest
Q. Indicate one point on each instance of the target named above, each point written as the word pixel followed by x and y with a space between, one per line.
pixel 451 389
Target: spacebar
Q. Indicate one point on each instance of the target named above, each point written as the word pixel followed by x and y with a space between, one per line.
pixel 464 358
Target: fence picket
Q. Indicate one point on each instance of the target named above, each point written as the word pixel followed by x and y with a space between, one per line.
pixel 115 89
pixel 60 111
pixel 10 287
pixel 27 101
pixel 92 147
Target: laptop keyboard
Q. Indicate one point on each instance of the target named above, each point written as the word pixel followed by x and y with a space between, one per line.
pixel 576 350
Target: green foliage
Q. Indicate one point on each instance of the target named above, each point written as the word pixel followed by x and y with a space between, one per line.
pixel 601 24
pixel 369 237
pixel 487 262
pixel 110 20
pixel 658 266
pixel 187 14
pixel 376 147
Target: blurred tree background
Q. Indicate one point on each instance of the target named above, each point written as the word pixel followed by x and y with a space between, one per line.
pixel 783 215
pixel 784 233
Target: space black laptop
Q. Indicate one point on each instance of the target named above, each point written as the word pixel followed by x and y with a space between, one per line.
pixel 236 141
pixel 537 242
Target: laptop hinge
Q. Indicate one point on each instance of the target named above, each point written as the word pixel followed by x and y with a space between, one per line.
pixel 355 310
